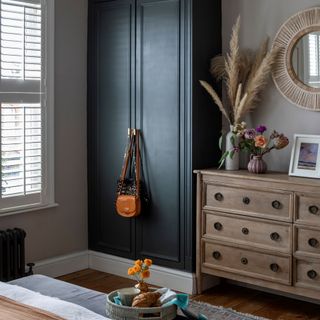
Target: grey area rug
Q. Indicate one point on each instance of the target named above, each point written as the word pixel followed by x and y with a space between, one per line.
pixel 219 313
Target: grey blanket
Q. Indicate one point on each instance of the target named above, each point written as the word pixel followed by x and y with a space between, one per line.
pixel 90 299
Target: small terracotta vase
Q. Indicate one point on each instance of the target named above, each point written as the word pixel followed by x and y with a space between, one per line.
pixel 142 286
pixel 257 164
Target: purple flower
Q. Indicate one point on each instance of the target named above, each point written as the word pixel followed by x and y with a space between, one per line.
pixel 261 129
pixel 249 134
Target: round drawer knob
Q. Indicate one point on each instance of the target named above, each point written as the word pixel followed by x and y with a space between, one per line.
pixel 245 231
pixel 275 236
pixel 218 196
pixel 312 274
pixel 274 267
pixel 313 242
pixel 246 200
pixel 216 255
pixel 276 204
pixel 244 260
pixel 218 226
pixel 313 209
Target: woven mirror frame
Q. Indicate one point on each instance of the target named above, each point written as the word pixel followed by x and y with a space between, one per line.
pixel 284 75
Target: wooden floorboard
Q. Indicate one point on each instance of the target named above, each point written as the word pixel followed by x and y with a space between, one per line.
pixel 229 296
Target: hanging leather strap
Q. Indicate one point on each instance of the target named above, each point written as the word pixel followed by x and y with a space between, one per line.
pixel 137 136
pixel 127 156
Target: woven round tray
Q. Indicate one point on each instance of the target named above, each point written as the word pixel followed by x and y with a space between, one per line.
pixel 117 312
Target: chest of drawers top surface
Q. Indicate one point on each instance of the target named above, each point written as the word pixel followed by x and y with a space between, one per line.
pixel 281 179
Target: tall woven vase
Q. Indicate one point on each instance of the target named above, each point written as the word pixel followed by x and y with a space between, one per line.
pixel 257 164
pixel 232 164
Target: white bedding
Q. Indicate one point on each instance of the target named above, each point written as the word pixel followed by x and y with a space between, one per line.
pixel 59 307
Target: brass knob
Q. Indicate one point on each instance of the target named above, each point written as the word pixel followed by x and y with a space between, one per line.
pixel 313 242
pixel 246 200
pixel 276 204
pixel 244 261
pixel 245 231
pixel 312 274
pixel 274 267
pixel 218 196
pixel 218 226
pixel 216 255
pixel 275 236
pixel 313 209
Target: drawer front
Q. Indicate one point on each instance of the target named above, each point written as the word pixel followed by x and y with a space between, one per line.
pixel 307 274
pixel 248 263
pixel 308 210
pixel 272 205
pixel 249 231
pixel 307 241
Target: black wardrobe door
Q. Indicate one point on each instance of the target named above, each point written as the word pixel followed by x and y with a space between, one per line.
pixel 160 230
pixel 110 106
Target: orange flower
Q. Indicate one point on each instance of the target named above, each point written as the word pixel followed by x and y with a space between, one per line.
pixel 138 262
pixel 148 262
pixel 136 268
pixel 260 141
pixel 131 272
pixel 145 274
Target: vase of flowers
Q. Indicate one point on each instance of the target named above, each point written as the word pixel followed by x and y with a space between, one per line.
pixel 141 271
pixel 244 75
pixel 258 144
pixel 257 164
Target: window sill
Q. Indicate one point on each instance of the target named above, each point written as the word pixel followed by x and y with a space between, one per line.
pixel 25 209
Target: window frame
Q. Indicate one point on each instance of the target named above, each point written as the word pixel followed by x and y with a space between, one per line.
pixel 47 196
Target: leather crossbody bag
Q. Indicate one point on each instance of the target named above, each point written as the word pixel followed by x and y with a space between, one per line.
pixel 128 201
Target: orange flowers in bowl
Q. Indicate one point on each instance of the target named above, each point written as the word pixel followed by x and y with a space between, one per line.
pixel 140 270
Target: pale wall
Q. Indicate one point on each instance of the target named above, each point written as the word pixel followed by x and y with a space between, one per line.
pixel 261 18
pixel 63 229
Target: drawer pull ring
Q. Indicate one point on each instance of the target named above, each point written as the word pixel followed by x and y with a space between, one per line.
pixel 218 196
pixel 312 274
pixel 245 231
pixel 313 209
pixel 218 226
pixel 274 267
pixel 246 200
pixel 313 242
pixel 275 236
pixel 276 204
pixel 244 260
pixel 216 255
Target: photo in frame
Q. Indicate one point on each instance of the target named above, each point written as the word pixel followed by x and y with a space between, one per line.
pixel 305 156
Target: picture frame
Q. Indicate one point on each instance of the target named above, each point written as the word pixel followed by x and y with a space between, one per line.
pixel 305 156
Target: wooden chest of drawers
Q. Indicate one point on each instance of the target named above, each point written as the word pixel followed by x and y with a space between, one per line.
pixel 259 229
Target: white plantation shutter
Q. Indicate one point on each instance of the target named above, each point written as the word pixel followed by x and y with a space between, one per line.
pixel 24 109
pixel 313 59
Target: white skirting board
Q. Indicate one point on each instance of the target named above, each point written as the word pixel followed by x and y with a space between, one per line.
pixel 59 266
pixel 160 276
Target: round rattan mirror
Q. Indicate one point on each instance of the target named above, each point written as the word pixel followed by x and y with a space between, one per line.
pixel 297 68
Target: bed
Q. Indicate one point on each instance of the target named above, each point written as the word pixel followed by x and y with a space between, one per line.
pixel 84 303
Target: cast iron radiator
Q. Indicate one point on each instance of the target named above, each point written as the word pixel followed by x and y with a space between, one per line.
pixel 12 257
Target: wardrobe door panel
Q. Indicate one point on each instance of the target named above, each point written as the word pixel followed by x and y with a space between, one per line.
pixel 160 229
pixel 110 107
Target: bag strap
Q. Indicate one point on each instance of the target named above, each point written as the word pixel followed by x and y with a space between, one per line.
pixel 127 155
pixel 137 147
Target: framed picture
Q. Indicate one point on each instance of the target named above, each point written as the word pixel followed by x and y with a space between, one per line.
pixel 305 156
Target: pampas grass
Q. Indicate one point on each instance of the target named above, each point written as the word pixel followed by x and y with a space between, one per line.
pixel 245 75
